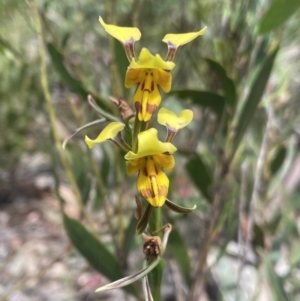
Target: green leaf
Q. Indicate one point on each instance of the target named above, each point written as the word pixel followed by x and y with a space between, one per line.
pixel 275 282
pixel 94 251
pixel 258 237
pixel 203 98
pixel 179 251
pixel 6 44
pixel 294 257
pixel 58 62
pixel 129 236
pixel 200 176
pixel 121 61
pixel 227 83
pixel 256 92
pixel 278 13
pixel 65 39
pixel 84 183
pixel 273 224
pixel 278 159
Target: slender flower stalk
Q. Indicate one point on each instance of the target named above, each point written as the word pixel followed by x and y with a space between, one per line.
pixel 146 155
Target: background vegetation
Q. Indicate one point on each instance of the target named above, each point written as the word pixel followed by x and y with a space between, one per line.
pixel 238 161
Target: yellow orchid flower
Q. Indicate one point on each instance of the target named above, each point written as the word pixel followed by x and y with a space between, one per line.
pixel 149 73
pixel 152 157
pixel 110 132
pixel 126 35
pixel 173 122
pixel 176 40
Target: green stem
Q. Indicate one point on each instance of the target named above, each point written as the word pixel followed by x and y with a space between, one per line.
pixel 119 190
pixel 155 223
pixel 136 130
pixel 155 276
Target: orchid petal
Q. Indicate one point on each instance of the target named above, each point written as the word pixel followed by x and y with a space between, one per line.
pixel 153 186
pixel 109 132
pixel 171 120
pixel 166 161
pixel 149 145
pixel 182 38
pixel 147 96
pixel 149 61
pixel 134 166
pixel 123 34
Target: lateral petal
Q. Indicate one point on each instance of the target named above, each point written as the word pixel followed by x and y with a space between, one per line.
pixel 109 132
pixel 182 38
pixel 134 166
pixel 123 34
pixel 171 120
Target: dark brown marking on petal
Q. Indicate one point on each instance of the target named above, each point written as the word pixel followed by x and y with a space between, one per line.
pixel 156 169
pixel 152 86
pixel 145 172
pixel 151 108
pixel 147 193
pixel 143 85
pixel 138 107
pixel 162 190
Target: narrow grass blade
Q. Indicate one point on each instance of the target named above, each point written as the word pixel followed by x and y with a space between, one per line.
pixel 253 99
pixel 205 99
pixel 200 176
pixel 227 83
